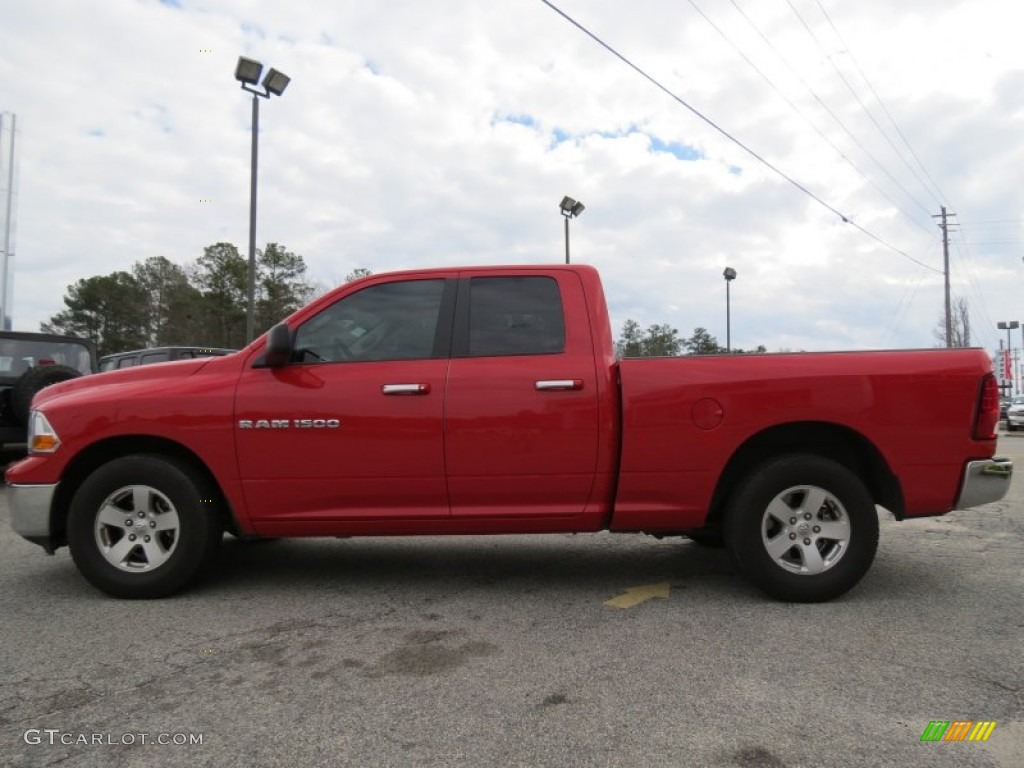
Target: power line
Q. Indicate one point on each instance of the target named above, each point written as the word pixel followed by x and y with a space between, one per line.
pixel 963 258
pixel 806 119
pixel 829 112
pixel 963 254
pixel 862 105
pixel 972 284
pixel 968 269
pixel 730 137
pixel 903 306
pixel 993 242
pixel 993 221
pixel 881 103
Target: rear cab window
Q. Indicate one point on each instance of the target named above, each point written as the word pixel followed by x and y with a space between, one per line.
pixel 515 315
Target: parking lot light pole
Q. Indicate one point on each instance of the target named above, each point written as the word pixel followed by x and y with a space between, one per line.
pixel 729 274
pixel 247 72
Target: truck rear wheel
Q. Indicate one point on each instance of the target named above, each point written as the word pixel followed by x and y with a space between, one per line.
pixel 802 528
pixel 142 526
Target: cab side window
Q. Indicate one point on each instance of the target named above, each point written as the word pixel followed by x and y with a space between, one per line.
pixel 389 321
pixel 515 316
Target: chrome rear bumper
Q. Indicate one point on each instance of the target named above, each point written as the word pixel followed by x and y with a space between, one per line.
pixel 984 482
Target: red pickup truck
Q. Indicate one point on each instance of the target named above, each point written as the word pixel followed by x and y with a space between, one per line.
pixel 490 400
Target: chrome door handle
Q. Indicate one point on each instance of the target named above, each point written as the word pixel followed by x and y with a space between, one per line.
pixel 558 385
pixel 405 389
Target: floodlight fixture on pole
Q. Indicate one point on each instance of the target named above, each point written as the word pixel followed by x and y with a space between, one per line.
pixel 729 274
pixel 247 72
pixel 570 209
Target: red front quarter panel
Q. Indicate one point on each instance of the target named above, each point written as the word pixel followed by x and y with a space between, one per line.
pixel 189 403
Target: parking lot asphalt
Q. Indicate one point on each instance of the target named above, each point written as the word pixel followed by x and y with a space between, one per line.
pixel 503 651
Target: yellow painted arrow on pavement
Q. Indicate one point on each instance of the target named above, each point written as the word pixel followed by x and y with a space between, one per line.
pixel 636 595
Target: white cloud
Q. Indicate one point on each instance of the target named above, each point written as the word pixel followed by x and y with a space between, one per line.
pixel 419 134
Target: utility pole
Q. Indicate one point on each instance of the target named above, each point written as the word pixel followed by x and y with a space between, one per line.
pixel 945 271
pixel 945 274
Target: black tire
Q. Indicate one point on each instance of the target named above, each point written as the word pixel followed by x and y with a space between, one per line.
pixel 170 506
pixel 33 380
pixel 817 504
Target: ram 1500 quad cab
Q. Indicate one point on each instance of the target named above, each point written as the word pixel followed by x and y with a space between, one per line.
pixel 490 400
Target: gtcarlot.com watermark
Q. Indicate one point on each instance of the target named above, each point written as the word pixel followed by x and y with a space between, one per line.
pixel 57 737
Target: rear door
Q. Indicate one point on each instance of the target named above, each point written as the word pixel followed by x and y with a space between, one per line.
pixel 522 416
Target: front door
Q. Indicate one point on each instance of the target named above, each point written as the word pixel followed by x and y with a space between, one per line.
pixel 352 428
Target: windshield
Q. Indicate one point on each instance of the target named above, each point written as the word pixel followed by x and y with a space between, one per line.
pixel 18 355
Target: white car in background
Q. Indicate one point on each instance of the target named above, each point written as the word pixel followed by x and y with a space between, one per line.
pixel 1015 414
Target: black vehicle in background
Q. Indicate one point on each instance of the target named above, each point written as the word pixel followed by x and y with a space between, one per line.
pixel 158 355
pixel 29 362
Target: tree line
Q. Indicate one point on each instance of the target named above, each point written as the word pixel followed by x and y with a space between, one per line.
pixel 662 340
pixel 159 303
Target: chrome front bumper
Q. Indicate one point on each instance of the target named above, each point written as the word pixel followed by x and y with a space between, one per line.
pixel 30 510
pixel 984 482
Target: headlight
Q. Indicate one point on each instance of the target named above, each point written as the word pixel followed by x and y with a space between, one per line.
pixel 42 437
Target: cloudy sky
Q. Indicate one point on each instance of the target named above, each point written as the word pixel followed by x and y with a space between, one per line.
pixel 436 132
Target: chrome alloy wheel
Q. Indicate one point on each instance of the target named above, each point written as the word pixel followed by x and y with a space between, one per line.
pixel 137 528
pixel 805 530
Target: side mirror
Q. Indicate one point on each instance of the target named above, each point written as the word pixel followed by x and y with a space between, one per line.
pixel 279 348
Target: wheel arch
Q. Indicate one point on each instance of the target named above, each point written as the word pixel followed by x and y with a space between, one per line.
pixel 104 451
pixel 839 443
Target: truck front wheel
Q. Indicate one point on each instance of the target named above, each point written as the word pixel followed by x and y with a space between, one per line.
pixel 142 526
pixel 803 528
